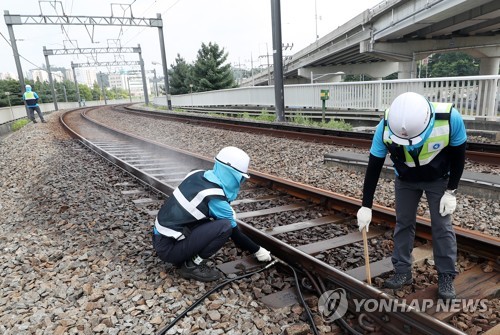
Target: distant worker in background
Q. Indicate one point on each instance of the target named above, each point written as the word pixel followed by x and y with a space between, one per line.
pixel 31 100
pixel 426 142
pixel 197 220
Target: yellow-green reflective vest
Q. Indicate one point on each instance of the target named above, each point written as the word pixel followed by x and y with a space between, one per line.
pixel 431 158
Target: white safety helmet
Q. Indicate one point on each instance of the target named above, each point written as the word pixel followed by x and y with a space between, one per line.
pixel 27 86
pixel 409 117
pixel 235 158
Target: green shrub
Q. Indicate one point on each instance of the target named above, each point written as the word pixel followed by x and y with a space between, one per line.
pixel 266 116
pixel 19 124
pixel 303 120
pixel 340 125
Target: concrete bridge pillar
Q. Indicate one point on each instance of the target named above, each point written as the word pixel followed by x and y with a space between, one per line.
pixel 405 70
pixel 489 66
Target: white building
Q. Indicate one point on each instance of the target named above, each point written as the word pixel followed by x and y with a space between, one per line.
pixel 43 75
pixel 118 80
pixel 38 75
pixel 86 76
pixel 135 88
pixel 8 75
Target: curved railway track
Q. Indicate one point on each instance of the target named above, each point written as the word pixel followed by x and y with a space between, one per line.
pixel 265 197
pixel 488 153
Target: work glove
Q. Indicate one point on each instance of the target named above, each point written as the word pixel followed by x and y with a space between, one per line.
pixel 364 218
pixel 263 255
pixel 448 204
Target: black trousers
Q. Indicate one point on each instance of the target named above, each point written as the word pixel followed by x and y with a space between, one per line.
pixel 204 240
pixel 31 113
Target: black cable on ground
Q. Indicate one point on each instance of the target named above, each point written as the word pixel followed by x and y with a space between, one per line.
pixel 216 288
pixel 340 321
pixel 306 307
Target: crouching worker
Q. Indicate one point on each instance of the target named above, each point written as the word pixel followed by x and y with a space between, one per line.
pixel 197 220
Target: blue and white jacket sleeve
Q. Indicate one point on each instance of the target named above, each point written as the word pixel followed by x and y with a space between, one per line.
pixel 221 209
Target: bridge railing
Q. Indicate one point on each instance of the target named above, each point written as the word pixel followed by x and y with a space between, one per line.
pixel 476 97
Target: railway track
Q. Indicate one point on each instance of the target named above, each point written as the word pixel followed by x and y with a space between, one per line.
pixel 278 214
pixel 488 153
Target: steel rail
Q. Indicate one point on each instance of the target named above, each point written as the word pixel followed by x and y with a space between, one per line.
pixel 406 318
pixel 477 152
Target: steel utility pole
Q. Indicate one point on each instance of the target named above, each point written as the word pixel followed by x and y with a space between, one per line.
pixel 51 80
pixel 164 62
pixel 278 61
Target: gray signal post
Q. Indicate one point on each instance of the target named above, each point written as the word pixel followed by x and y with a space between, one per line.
pixel 16 19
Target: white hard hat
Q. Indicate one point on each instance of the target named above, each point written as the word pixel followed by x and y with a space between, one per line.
pixel 409 116
pixel 235 158
pixel 27 86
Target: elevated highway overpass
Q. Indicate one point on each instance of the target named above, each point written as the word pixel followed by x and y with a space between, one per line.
pixel 392 36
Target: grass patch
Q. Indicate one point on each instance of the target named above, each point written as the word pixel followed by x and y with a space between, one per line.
pixel 340 125
pixel 265 116
pixel 303 120
pixel 19 124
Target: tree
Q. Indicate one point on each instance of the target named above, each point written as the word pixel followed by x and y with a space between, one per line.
pixel 11 86
pixel 209 72
pixel 180 76
pixel 85 92
pixel 96 92
pixel 452 64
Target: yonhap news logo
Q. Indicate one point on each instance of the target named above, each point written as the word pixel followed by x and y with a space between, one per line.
pixel 333 305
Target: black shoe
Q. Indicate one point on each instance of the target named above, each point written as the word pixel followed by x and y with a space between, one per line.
pixel 398 280
pixel 446 290
pixel 43 121
pixel 202 272
pixel 34 121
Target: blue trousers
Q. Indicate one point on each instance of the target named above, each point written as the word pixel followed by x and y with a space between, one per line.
pixel 204 240
pixel 444 242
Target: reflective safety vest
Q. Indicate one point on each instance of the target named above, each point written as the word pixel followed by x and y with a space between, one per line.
pixel 30 98
pixel 432 161
pixel 188 205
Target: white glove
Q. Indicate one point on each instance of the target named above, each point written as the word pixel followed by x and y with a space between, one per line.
pixel 263 255
pixel 364 218
pixel 447 204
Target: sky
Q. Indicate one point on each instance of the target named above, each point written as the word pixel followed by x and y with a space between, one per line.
pixel 242 28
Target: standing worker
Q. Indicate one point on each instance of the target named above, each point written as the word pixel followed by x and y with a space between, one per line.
pixel 426 142
pixel 31 100
pixel 197 220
